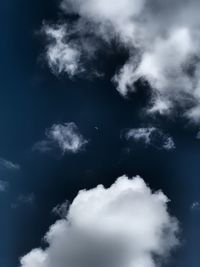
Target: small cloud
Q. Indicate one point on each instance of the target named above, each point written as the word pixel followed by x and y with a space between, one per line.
pixel 195 206
pixel 151 136
pixel 9 164
pixel 3 186
pixel 61 209
pixel 65 136
pixel 61 56
pixel 140 134
pixel 169 144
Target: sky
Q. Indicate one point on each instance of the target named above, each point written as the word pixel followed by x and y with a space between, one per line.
pixel 100 136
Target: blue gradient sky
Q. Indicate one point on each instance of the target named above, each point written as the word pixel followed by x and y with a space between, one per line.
pixel 32 99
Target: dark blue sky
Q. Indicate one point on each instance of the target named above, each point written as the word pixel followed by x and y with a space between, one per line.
pixel 32 99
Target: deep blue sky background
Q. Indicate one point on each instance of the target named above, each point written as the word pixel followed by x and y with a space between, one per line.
pixel 32 99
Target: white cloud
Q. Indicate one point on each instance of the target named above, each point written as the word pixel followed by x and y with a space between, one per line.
pixel 9 164
pixel 66 136
pixel 161 37
pixel 124 225
pixel 3 186
pixel 61 56
pixel 151 136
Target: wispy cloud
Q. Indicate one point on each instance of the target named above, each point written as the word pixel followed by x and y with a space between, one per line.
pixel 124 225
pixel 64 136
pixel 9 164
pixel 151 136
pixel 163 50
pixel 3 186
pixel 61 209
pixel 24 200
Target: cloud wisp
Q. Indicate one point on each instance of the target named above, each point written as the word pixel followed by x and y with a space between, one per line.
pixel 64 136
pixel 195 206
pixel 23 200
pixel 9 165
pixel 151 136
pixel 162 39
pixel 3 186
pixel 124 225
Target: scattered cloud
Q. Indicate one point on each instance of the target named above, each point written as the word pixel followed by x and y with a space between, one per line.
pixel 61 56
pixel 3 186
pixel 124 225
pixel 8 164
pixel 162 39
pixel 151 136
pixel 64 136
pixel 195 206
pixel 61 209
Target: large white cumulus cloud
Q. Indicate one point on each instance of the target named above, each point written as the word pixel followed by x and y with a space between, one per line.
pixel 162 38
pixel 126 225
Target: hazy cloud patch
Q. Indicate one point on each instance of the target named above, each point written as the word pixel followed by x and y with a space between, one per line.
pixel 9 165
pixel 3 186
pixel 150 136
pixel 64 136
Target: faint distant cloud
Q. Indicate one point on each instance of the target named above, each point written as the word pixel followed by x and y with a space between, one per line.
pixel 61 209
pixel 198 135
pixel 66 137
pixel 8 164
pixel 3 186
pixel 195 206
pixel 151 136
pixel 24 200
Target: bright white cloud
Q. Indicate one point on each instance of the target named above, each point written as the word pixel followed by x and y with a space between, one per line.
pixel 66 136
pixel 151 136
pixel 161 37
pixel 9 164
pixel 121 226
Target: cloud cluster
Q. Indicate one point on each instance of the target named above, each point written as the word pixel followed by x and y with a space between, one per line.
pixel 121 226
pixel 162 39
pixel 64 136
pixel 151 136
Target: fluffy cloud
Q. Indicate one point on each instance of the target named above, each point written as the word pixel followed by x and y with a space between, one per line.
pixel 65 136
pixel 161 37
pixel 151 136
pixel 9 165
pixel 124 225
